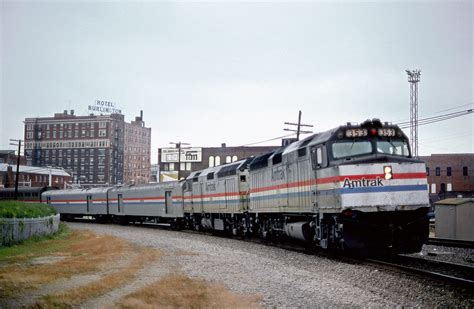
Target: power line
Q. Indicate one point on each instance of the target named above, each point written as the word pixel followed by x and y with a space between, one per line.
pixel 268 140
pixel 429 120
pixel 434 113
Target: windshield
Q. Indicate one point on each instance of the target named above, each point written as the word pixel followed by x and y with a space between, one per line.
pixel 395 148
pixel 344 149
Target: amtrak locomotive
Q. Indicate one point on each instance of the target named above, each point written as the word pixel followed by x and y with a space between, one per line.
pixel 355 187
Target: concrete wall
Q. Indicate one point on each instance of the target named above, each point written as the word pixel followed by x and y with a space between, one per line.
pixel 454 219
pixel 16 230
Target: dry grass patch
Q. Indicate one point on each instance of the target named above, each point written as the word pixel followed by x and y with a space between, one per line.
pixel 180 291
pixel 110 281
pixel 81 252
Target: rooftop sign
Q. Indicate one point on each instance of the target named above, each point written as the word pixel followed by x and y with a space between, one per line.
pixel 104 107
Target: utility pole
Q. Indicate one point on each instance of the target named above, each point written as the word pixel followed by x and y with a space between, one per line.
pixel 298 125
pixel 17 164
pixel 178 145
pixel 413 79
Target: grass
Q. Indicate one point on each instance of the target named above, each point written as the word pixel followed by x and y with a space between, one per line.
pixel 108 282
pixel 36 263
pixel 49 272
pixel 79 253
pixel 17 209
pixel 180 291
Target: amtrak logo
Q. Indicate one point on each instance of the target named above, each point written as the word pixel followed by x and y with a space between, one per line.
pixel 358 183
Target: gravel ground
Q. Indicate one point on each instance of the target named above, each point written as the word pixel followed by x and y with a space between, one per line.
pixel 285 278
pixel 462 256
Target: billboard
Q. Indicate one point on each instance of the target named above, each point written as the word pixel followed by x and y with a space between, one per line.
pixel 168 176
pixel 170 155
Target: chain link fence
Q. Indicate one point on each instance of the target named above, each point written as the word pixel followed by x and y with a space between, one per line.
pixel 15 230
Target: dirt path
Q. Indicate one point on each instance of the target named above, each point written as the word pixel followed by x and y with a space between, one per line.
pixel 97 271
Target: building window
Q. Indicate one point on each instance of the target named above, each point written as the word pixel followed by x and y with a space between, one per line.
pixel 218 161
pixel 448 172
pixel 234 158
pixel 433 188
pixel 438 171
pixel 188 166
pixel 443 187
pixel 228 159
pixel 171 166
pixel 211 161
pixel 464 171
pixel 427 171
pixel 182 166
pixel 449 187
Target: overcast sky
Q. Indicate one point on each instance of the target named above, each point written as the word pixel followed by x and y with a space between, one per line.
pixel 234 72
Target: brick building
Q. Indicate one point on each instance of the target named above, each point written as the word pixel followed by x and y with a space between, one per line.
pixel 10 157
pixel 450 174
pixel 198 158
pixel 137 151
pixel 32 176
pixel 92 148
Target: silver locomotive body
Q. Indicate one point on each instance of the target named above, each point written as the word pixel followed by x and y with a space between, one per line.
pixel 353 187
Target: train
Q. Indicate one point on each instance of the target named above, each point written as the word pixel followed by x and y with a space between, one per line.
pixel 355 187
pixel 25 194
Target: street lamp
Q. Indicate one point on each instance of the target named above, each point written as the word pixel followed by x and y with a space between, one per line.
pixel 178 145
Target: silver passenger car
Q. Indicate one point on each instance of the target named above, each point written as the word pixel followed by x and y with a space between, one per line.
pixel 87 202
pixel 153 200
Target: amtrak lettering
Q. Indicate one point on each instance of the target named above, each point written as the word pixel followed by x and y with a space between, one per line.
pixel 211 187
pixel 278 174
pixel 362 183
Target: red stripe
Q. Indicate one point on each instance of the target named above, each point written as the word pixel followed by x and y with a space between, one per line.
pixel 216 195
pixel 144 198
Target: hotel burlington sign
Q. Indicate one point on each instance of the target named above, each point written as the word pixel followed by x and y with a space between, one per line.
pixel 104 107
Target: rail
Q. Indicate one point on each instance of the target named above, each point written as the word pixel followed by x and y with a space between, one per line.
pixel 451 242
pixel 457 274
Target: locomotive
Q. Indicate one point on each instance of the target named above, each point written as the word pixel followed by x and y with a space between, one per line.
pixel 355 187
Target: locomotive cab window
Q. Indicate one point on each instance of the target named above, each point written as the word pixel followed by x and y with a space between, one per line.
pixel 318 159
pixel 344 149
pixel 391 147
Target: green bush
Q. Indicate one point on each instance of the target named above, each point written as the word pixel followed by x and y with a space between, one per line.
pixel 18 209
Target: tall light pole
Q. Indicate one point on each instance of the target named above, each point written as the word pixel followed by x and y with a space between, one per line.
pixel 413 79
pixel 178 145
pixel 17 164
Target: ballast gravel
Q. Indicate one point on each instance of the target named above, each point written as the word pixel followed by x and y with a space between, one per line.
pixel 284 278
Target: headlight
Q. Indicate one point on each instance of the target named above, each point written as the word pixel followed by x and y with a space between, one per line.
pixel 388 172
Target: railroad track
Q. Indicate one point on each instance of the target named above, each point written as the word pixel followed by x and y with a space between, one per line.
pixel 460 275
pixel 451 243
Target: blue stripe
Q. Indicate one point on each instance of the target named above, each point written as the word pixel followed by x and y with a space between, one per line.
pixel 383 189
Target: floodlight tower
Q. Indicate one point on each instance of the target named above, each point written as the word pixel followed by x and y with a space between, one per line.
pixel 413 79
